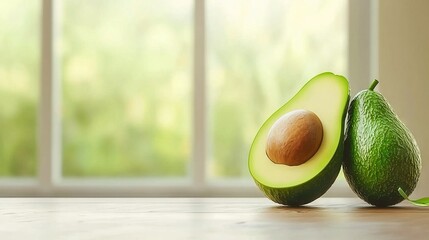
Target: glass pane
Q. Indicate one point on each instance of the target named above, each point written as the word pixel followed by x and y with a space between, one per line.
pixel 259 54
pixel 126 75
pixel 19 86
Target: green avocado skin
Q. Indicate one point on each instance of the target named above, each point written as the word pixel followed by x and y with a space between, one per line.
pixel 309 191
pixel 380 153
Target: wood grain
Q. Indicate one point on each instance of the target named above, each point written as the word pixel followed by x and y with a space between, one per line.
pixel 206 218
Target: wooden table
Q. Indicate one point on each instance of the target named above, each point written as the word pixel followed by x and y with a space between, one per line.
pixel 206 218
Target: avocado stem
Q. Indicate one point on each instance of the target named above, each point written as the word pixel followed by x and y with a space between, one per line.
pixel 373 84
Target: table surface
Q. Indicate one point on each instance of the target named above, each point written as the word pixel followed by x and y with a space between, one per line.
pixel 206 218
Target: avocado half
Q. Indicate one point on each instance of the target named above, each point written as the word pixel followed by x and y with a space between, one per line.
pixel 327 95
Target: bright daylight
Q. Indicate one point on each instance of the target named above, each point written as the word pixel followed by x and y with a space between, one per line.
pixel 203 119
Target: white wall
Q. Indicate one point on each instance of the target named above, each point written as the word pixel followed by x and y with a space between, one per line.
pixel 404 70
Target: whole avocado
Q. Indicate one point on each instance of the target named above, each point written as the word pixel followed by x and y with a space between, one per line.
pixel 380 153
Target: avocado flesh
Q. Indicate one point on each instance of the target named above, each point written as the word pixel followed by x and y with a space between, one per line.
pixel 326 95
pixel 381 154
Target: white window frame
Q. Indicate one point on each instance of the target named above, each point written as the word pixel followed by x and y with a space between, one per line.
pixel 49 182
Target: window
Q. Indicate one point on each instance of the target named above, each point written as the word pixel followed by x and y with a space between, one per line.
pixel 126 71
pixel 259 54
pixel 19 71
pixel 154 98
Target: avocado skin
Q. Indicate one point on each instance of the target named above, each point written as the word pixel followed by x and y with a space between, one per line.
pixel 314 188
pixel 380 153
pixel 309 191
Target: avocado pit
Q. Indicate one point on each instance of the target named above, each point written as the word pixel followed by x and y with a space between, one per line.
pixel 294 138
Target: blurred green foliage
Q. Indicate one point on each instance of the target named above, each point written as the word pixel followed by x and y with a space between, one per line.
pixel 259 54
pixel 127 72
pixel 19 76
pixel 126 79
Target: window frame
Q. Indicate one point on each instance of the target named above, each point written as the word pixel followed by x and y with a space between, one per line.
pixel 49 182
